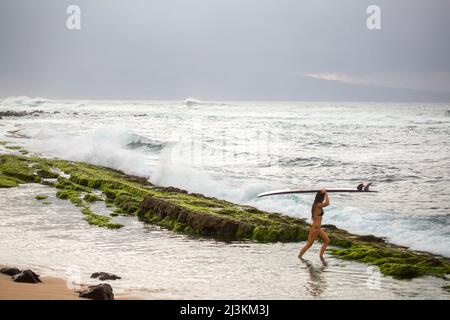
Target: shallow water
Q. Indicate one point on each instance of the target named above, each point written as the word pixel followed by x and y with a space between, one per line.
pixel 158 264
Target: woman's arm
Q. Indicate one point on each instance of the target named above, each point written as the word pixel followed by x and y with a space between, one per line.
pixel 326 201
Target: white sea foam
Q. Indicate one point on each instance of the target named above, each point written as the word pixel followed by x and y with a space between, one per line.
pixel 105 146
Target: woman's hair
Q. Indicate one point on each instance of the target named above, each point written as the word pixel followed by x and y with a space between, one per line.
pixel 318 199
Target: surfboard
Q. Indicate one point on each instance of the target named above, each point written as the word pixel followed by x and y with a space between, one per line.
pixel 292 191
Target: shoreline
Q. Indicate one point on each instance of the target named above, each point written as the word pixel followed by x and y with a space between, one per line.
pixel 51 288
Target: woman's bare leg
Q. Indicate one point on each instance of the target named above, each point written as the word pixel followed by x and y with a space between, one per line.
pixel 311 237
pixel 326 241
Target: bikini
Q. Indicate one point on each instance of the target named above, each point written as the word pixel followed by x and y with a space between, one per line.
pixel 321 214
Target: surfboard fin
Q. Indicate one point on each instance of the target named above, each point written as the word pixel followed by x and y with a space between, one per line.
pixel 366 188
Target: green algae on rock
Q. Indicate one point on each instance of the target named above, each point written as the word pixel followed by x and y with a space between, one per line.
pixel 92 198
pixel 196 214
pixel 396 261
pixel 40 197
pixel 13 147
pixel 20 169
pixel 99 220
pixel 8 182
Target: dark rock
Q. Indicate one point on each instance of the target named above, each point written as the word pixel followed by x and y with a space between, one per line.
pixel 27 276
pixel 110 194
pixel 432 262
pixel 329 226
pixel 102 291
pixel 9 113
pixel 173 189
pixel 371 238
pixel 10 271
pixel 105 276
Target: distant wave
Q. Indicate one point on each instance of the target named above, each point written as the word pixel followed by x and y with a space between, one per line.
pixel 139 142
pixel 193 102
pixel 197 102
pixel 23 101
pixel 309 162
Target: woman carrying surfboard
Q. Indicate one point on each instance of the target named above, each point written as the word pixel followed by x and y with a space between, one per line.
pixel 321 200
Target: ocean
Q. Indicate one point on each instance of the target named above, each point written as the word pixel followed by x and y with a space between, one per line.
pixel 235 150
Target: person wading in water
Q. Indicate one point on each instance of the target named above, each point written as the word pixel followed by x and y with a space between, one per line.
pixel 315 230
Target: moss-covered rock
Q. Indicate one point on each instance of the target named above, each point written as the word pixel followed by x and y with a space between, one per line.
pixel 395 261
pixel 47 174
pixel 8 182
pixel 72 195
pixel 205 216
pixel 99 220
pixel 127 203
pixel 92 198
pixel 40 197
pixel 17 168
pixel 13 147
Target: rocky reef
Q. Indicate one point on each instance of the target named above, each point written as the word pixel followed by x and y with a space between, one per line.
pixel 10 113
pixel 198 215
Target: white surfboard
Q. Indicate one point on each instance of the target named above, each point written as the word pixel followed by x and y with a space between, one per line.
pixel 292 191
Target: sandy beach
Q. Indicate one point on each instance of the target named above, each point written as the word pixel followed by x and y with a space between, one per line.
pixel 49 289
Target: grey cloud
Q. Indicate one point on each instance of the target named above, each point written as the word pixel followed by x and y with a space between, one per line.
pixel 222 49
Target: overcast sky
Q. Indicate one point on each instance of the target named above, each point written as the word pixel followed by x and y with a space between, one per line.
pixel 226 50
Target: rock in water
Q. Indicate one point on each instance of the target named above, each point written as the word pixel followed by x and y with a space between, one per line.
pixel 10 271
pixel 102 291
pixel 105 276
pixel 27 276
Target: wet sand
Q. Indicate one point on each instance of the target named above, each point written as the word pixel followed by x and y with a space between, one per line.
pixel 49 289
